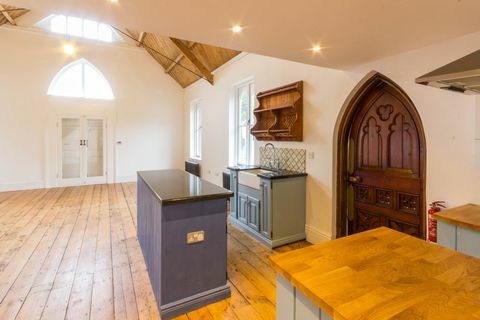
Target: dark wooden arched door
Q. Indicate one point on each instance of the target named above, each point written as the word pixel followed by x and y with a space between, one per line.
pixel 385 167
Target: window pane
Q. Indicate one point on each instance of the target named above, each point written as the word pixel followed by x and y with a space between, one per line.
pixel 90 29
pixel 69 83
pixel 243 111
pixel 58 24
pixel 96 87
pixel 242 145
pixel 104 33
pixel 75 26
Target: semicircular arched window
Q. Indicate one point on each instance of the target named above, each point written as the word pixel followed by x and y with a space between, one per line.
pixel 80 79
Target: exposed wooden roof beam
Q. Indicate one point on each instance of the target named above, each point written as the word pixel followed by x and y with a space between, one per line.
pixel 7 15
pixel 193 59
pixel 141 37
pixel 179 58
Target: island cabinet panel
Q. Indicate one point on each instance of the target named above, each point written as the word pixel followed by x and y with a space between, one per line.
pixel 183 238
pixel 292 304
pixel 447 235
pixel 468 241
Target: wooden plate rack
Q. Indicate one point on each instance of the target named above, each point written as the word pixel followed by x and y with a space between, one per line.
pixel 280 114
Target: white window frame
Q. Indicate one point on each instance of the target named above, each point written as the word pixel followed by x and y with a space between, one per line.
pixel 196 130
pixel 250 147
pixel 82 31
pixel 52 92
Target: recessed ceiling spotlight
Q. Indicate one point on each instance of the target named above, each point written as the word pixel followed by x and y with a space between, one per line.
pixel 114 1
pixel 69 49
pixel 237 28
pixel 316 49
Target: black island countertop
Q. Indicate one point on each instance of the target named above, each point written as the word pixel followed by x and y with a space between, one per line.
pixel 274 174
pixel 176 186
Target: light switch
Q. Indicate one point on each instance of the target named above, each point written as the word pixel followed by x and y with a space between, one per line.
pixel 195 237
pixel 311 155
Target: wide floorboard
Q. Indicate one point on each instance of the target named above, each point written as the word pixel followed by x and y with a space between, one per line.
pixel 72 253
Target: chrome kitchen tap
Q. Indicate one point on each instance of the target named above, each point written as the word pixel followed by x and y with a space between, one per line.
pixel 275 162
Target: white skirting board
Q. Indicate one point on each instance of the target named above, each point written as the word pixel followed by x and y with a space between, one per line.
pixel 314 235
pixel 4 187
pixel 123 179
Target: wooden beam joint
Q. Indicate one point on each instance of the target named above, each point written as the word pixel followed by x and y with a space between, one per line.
pixel 189 55
pixel 7 15
pixel 141 38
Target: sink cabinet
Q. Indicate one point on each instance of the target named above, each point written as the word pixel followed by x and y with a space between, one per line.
pixel 274 213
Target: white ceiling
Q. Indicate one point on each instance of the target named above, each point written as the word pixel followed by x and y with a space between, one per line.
pixel 351 32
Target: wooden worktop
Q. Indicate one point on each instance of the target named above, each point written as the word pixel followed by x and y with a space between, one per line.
pixel 467 216
pixel 384 274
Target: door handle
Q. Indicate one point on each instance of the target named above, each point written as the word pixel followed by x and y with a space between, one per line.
pixel 354 179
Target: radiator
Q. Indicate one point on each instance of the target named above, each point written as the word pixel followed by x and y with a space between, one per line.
pixel 192 167
pixel 226 180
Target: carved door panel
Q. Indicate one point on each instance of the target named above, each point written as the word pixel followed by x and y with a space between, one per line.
pixel 387 164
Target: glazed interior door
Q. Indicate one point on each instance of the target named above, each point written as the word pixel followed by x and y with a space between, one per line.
pixel 386 187
pixel 82 159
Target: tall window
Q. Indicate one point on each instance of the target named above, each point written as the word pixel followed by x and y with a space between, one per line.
pixel 78 27
pixel 196 130
pixel 244 120
pixel 80 79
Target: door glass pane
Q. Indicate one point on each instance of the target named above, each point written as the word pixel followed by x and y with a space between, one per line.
pixel 71 148
pixel 94 148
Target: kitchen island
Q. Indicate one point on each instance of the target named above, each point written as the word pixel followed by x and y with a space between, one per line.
pixel 377 274
pixel 182 230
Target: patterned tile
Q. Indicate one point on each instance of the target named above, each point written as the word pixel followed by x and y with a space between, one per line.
pixel 290 159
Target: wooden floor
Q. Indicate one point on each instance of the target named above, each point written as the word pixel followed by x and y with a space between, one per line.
pixel 72 253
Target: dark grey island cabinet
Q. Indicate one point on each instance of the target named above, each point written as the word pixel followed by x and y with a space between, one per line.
pixel 182 230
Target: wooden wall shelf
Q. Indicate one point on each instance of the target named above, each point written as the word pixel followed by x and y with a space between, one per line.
pixel 280 114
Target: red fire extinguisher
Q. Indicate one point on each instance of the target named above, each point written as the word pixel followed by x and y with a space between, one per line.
pixel 435 207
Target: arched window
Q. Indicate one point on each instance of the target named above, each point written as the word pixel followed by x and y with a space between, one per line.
pixel 80 79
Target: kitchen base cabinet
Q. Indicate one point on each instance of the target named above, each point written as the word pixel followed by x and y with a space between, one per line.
pixel 459 229
pixel 274 213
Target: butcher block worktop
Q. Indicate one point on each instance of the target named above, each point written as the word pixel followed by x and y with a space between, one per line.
pixel 467 216
pixel 384 274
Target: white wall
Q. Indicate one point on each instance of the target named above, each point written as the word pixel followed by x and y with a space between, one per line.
pixel 146 115
pixel 324 92
pixel 448 119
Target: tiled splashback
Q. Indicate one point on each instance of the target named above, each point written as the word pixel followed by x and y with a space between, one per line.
pixel 290 159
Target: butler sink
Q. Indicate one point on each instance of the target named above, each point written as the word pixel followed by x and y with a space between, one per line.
pixel 250 179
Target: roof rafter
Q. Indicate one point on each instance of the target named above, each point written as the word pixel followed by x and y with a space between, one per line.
pixel 179 58
pixel 141 37
pixel 7 15
pixel 193 59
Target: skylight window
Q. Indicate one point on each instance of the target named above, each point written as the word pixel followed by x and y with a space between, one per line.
pixel 80 79
pixel 77 27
